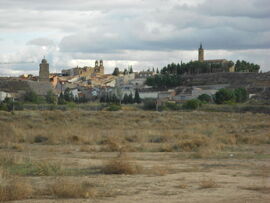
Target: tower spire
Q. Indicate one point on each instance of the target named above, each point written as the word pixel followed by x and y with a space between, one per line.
pixel 201 53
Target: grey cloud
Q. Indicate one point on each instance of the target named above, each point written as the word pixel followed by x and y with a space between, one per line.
pixel 41 42
pixel 117 29
pixel 250 8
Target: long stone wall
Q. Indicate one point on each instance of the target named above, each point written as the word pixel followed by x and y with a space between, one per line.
pixel 234 79
pixel 19 87
pixel 255 83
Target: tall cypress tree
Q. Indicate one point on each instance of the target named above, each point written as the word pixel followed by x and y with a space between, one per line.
pixel 137 98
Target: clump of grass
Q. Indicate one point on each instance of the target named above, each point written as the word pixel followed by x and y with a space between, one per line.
pixel 17 147
pixel 7 159
pixel 182 186
pixel 43 168
pixel 121 165
pixel 192 144
pixel 208 183
pixel 40 139
pixel 158 170
pixel 64 188
pixel 87 148
pixel 15 189
pixel 115 144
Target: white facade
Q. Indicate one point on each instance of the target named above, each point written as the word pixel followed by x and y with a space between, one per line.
pixel 3 95
pixel 152 95
pixel 75 93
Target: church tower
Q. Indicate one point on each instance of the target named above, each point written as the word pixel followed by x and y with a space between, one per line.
pixel 101 67
pixel 44 71
pixel 201 53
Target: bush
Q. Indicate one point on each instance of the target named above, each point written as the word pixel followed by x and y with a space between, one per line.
pixel 51 98
pixel 121 166
pixel 241 95
pixel 172 106
pixel 224 96
pixel 205 98
pixel 63 188
pixel 114 107
pixel 9 105
pixel 15 189
pixel 40 139
pixel 32 97
pixel 149 104
pixel 192 104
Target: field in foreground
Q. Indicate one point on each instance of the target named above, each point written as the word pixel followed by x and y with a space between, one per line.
pixel 134 156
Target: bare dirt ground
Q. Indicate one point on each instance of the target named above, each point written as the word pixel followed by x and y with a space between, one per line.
pixel 236 173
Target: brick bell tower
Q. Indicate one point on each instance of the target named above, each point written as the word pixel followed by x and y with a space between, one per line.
pixel 201 53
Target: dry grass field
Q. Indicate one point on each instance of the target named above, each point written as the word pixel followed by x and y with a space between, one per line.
pixel 134 156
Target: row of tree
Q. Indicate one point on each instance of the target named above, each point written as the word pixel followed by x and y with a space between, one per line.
pixel 164 81
pixel 117 71
pixel 195 67
pixel 225 96
pixel 126 99
pixel 244 66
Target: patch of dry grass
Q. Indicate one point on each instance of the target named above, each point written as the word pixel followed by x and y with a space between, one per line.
pixel 121 165
pixel 12 188
pixel 208 183
pixel 64 188
pixel 136 130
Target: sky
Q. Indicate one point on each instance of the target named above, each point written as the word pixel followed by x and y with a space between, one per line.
pixel 141 33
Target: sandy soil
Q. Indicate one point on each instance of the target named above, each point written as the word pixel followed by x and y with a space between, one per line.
pixel 179 180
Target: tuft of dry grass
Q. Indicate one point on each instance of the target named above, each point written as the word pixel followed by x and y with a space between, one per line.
pixel 158 170
pixel 63 188
pixel 121 165
pixel 208 183
pixel 182 186
pixel 14 189
pixel 7 159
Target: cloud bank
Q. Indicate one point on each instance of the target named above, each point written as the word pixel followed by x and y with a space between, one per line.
pixel 142 33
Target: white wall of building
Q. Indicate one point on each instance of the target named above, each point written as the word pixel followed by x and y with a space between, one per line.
pixel 3 95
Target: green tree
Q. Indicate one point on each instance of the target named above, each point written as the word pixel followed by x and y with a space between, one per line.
pixel 241 95
pixel 116 72
pixel 31 96
pixel 130 98
pixel 192 104
pixel 125 99
pixel 130 70
pixel 224 96
pixel 68 96
pixel 61 99
pixel 137 98
pixel 125 72
pixel 51 98
pixel 205 98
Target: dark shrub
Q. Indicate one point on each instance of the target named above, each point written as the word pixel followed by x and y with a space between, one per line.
pixel 40 139
pixel 172 106
pixel 192 104
pixel 205 98
pixel 224 96
pixel 241 95
pixel 149 104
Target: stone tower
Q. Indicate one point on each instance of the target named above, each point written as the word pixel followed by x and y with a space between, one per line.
pixel 44 71
pixel 101 67
pixel 201 53
pixel 96 64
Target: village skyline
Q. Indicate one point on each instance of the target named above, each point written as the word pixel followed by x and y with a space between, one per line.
pixel 143 34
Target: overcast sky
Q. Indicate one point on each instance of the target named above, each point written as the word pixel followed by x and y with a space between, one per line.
pixel 141 33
